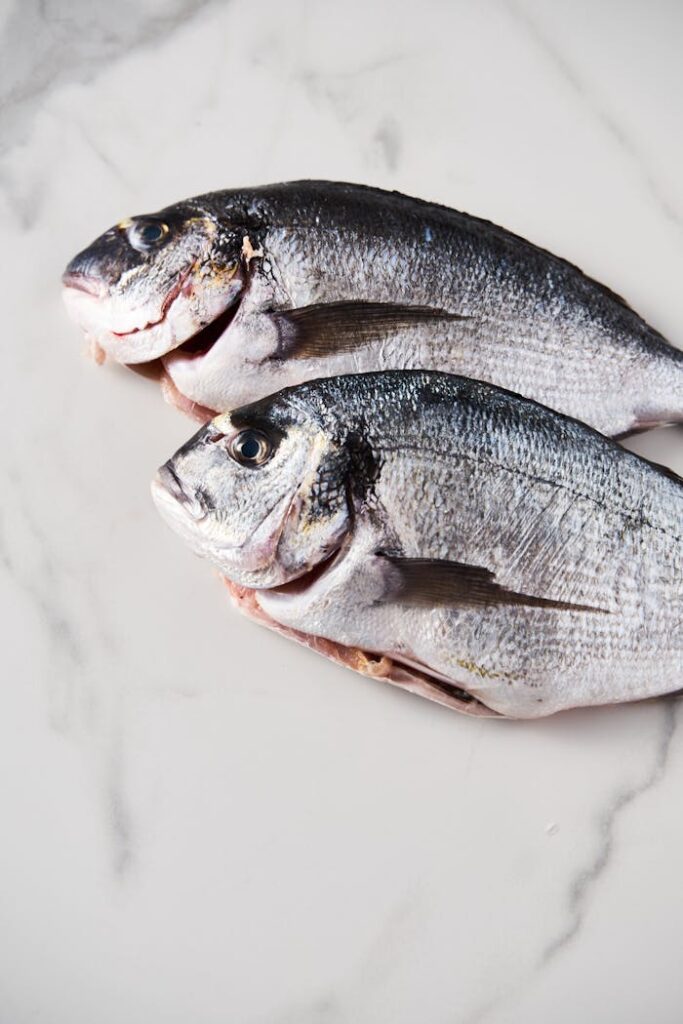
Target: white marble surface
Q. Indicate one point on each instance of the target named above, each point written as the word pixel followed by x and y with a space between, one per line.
pixel 200 821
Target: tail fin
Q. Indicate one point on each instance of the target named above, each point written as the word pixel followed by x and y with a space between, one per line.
pixel 661 389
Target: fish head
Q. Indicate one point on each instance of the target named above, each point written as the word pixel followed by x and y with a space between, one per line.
pixel 261 492
pixel 152 282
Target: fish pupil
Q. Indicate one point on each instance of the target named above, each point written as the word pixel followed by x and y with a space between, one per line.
pixel 250 447
pixel 146 234
pixel 151 233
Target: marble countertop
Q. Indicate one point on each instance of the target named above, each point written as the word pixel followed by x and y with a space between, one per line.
pixel 201 821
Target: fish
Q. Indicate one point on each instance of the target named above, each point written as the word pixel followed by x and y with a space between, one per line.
pixel 233 295
pixel 445 535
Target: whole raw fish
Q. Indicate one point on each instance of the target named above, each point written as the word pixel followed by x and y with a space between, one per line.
pixel 240 293
pixel 445 534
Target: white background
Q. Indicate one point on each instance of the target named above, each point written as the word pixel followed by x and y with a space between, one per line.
pixel 200 821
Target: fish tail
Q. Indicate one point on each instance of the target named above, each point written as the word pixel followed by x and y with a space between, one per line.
pixel 675 388
pixel 662 391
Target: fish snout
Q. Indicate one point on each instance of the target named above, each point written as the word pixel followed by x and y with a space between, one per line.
pixel 83 282
pixel 168 481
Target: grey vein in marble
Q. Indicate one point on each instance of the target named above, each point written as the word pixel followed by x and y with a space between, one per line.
pixel 47 43
pixel 388 139
pixel 342 1005
pixel 62 632
pixel 41 586
pixel 606 119
pixel 119 817
pixel 585 881
pixel 336 88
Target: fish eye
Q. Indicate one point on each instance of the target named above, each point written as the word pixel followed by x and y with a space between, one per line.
pixel 250 448
pixel 146 234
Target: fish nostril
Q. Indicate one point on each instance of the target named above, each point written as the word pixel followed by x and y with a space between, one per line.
pixel 205 500
pixel 83 282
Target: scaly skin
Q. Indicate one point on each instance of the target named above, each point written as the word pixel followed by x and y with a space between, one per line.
pixel 426 466
pixel 534 324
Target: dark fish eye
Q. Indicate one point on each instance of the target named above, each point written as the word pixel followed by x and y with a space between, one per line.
pixel 144 235
pixel 250 448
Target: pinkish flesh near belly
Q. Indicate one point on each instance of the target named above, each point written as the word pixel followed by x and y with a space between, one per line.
pixel 374 666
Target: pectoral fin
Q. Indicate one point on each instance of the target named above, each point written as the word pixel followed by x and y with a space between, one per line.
pixel 327 328
pixel 430 583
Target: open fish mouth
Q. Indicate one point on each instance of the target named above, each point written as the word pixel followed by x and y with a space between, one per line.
pixel 201 343
pixel 127 337
pixel 194 349
pixel 178 289
pixel 143 343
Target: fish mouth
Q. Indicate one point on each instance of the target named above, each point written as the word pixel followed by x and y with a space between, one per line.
pixel 187 511
pixel 84 294
pixel 168 480
pixel 194 349
pixel 173 294
pixel 144 344
pixel 172 499
pixel 201 343
pixel 84 283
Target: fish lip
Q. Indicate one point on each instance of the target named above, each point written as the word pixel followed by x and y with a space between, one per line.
pixel 167 487
pixel 143 343
pixel 168 481
pixel 81 282
pixel 183 351
pixel 174 292
pixel 93 290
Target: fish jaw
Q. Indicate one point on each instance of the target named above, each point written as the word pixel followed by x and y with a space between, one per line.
pixel 239 364
pixel 222 378
pixel 261 560
pixel 253 559
pixel 139 335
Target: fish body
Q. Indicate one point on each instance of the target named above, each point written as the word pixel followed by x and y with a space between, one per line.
pixel 489 545
pixel 241 293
